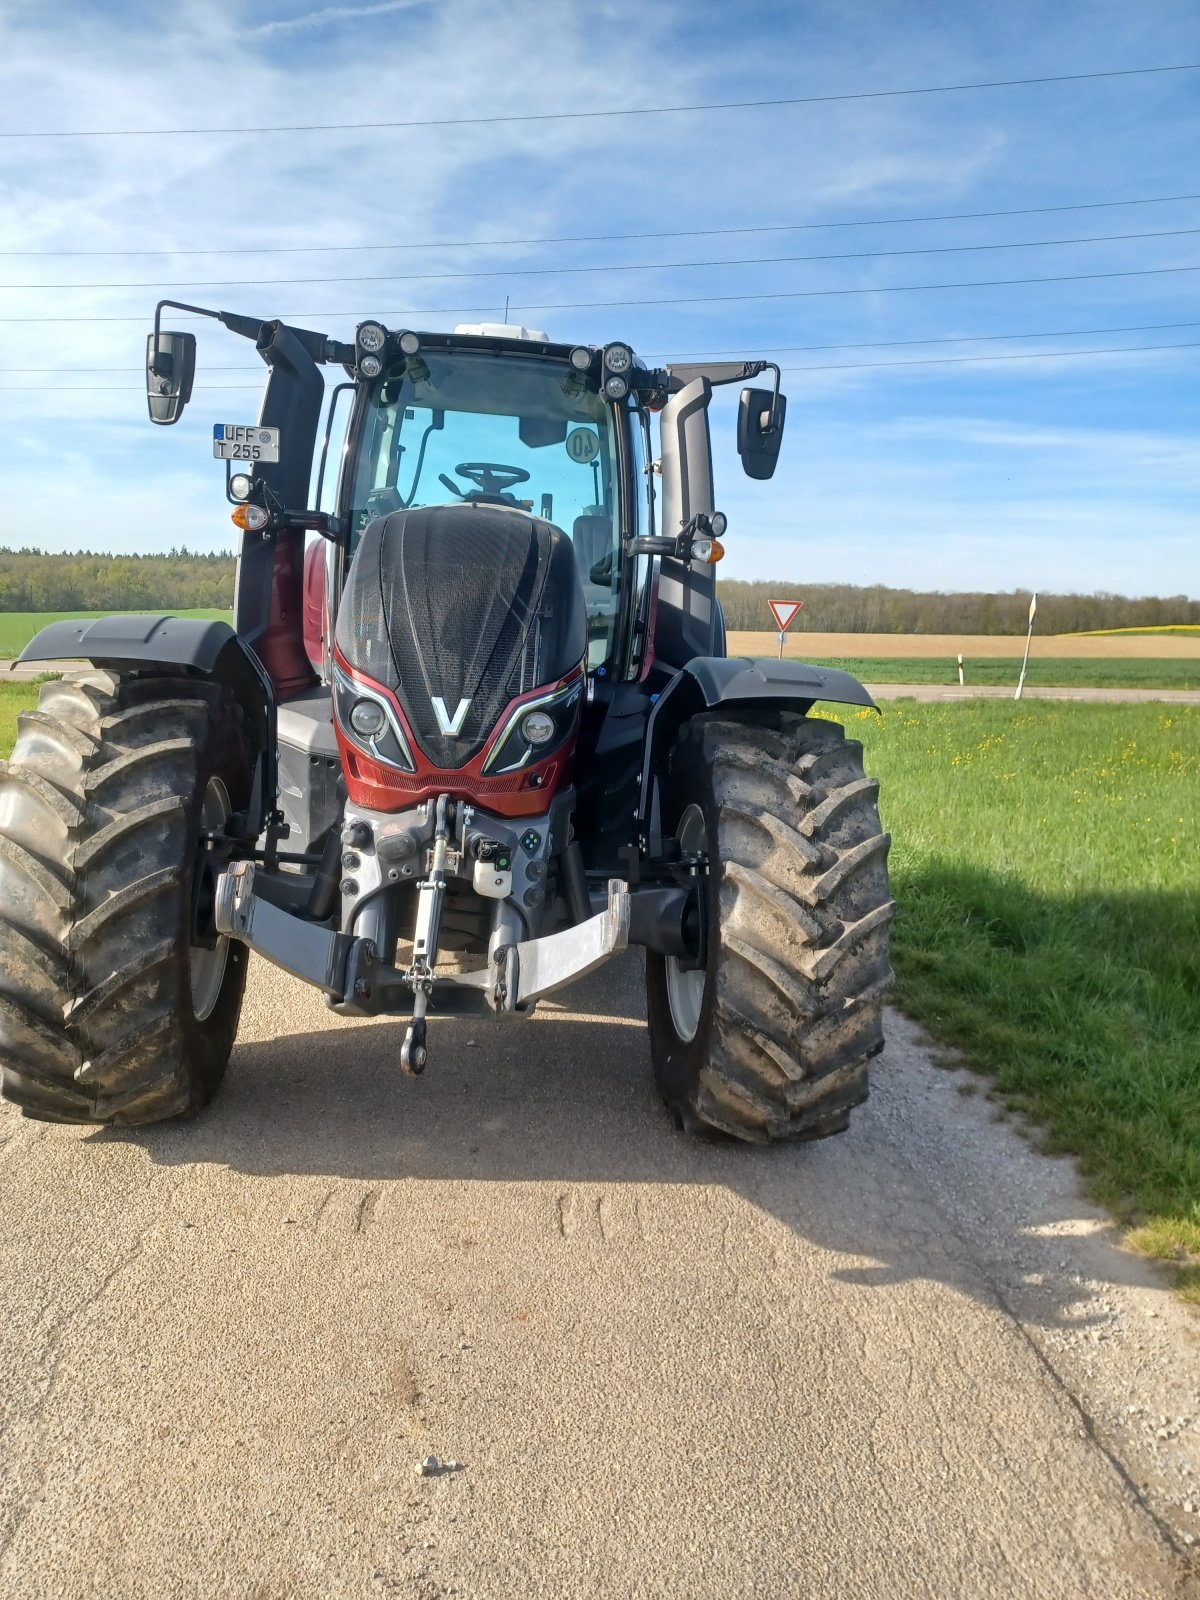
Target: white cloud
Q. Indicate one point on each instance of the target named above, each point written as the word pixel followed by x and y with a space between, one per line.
pixel 312 20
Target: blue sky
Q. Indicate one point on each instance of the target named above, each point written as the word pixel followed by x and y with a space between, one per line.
pixel 1050 473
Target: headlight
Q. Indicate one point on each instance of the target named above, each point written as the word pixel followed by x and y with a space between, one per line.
pixel 538 728
pixel 618 358
pixel 367 718
pixel 409 343
pixel 616 387
pixel 240 485
pixel 371 336
pixel 369 366
pixel 533 731
pixel 581 358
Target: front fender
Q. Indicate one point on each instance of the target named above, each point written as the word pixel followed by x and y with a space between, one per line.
pixel 709 681
pixel 209 647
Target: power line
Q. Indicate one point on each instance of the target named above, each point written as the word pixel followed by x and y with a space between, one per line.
pixel 796 349
pixel 671 300
pixel 744 350
pixel 1032 355
pixel 634 266
pixel 599 114
pixel 841 366
pixel 611 238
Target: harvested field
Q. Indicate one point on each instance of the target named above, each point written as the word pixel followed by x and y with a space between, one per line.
pixel 812 646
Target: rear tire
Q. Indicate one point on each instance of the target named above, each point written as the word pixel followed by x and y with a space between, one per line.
pixel 771 1039
pixel 108 1012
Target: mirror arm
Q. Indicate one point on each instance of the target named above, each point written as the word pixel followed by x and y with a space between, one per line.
pixel 772 423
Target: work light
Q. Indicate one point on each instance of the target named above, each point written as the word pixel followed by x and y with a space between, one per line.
pixel 371 336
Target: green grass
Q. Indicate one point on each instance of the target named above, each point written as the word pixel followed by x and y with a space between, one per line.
pixel 1101 673
pixel 17 628
pixel 1046 863
pixel 14 697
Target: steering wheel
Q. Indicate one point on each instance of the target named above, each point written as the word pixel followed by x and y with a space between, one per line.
pixel 491 476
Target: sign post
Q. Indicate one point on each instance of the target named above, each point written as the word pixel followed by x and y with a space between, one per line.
pixel 785 613
pixel 1028 642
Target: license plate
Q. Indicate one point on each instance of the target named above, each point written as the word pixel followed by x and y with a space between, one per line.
pixel 236 441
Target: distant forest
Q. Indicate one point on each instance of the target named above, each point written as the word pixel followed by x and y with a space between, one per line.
pixel 843 608
pixel 31 580
pixel 181 581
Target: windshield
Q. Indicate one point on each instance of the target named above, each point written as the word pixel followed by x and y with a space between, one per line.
pixel 465 426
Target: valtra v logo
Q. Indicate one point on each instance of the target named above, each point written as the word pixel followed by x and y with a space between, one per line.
pixel 447 723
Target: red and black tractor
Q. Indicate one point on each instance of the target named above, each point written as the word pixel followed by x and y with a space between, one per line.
pixel 508 744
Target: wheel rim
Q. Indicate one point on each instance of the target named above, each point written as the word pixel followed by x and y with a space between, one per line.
pixel 685 987
pixel 208 966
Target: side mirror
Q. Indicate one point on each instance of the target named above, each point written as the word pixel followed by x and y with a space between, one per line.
pixel 170 368
pixel 760 433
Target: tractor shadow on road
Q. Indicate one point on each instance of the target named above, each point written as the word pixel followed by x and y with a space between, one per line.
pixel 569 1099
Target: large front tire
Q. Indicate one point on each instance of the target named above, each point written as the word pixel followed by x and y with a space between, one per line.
pixel 108 1011
pixel 771 1038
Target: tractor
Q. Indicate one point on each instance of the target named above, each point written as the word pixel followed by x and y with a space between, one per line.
pixel 472 733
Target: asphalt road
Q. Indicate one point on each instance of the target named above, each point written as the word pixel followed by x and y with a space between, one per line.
pixel 904 1362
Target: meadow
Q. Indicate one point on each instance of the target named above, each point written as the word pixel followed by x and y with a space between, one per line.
pixel 1046 865
pixel 1105 672
pixel 17 628
pixel 811 645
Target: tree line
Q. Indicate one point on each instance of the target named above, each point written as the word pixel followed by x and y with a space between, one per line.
pixel 845 608
pixel 34 580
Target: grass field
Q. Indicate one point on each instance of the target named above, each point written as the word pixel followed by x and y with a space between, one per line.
pixel 1106 672
pixel 1046 861
pixel 813 646
pixel 18 627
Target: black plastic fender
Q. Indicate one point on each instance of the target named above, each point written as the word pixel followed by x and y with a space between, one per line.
pixel 709 681
pixel 210 648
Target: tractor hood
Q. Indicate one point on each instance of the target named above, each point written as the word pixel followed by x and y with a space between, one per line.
pixel 458 610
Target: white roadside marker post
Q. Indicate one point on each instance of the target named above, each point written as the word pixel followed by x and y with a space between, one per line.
pixel 961 679
pixel 785 613
pixel 1028 642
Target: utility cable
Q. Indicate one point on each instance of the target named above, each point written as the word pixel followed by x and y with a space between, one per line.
pixel 617 238
pixel 745 350
pixel 598 113
pixel 841 366
pixel 632 266
pixel 852 366
pixel 670 300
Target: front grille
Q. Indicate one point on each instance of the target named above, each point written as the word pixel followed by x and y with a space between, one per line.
pixel 443 601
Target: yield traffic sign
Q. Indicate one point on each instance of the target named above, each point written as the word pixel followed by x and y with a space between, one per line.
pixel 784 612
